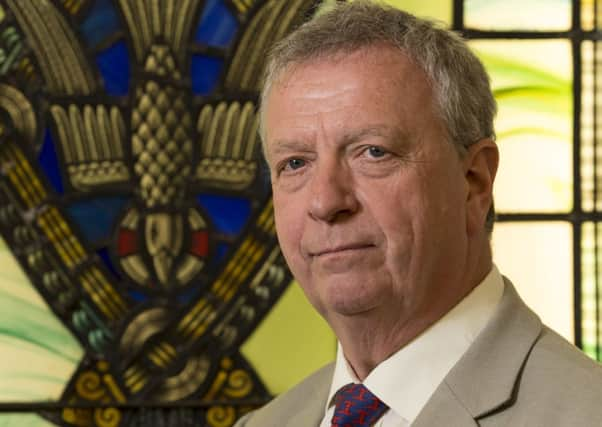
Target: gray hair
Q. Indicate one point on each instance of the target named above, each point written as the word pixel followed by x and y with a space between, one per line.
pixel 460 83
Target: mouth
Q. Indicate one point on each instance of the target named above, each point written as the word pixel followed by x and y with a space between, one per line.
pixel 341 250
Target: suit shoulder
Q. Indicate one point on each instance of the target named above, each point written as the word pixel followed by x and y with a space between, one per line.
pixel 553 352
pixel 562 377
pixel 309 395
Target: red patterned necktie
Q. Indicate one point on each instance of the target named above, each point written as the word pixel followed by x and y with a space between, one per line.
pixel 356 406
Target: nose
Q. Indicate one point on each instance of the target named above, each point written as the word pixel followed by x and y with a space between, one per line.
pixel 333 196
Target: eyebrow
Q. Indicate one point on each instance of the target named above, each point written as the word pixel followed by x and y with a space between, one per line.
pixel 355 135
pixel 286 146
pixel 289 145
pixel 376 130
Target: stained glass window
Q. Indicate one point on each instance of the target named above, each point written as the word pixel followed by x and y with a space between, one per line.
pixel 534 116
pixel 543 63
pixel 39 354
pixel 89 327
pixel 541 267
pixel 528 15
pixel 137 234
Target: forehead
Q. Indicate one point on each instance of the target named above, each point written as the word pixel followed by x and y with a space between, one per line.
pixel 347 89
pixel 377 64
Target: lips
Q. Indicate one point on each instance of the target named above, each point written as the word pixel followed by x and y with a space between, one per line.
pixel 340 249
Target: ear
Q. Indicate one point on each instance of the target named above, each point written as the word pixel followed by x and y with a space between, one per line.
pixel 480 167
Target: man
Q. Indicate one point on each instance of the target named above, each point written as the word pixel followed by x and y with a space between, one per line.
pixel 378 131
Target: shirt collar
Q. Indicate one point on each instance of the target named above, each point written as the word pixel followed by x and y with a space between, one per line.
pixel 407 379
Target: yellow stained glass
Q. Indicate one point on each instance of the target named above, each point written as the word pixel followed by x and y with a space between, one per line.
pixel 291 342
pixel 591 14
pixel 531 15
pixel 591 163
pixel 534 123
pixel 440 10
pixel 537 258
pixel 591 290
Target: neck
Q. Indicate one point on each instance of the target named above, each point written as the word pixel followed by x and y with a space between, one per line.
pixel 372 337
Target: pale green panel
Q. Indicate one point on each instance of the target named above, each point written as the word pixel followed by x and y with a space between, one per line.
pixel 538 15
pixel 537 258
pixel 440 10
pixel 38 355
pixel 24 420
pixel 591 278
pixel 290 343
pixel 534 123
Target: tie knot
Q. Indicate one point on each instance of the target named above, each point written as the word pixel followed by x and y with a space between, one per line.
pixel 356 406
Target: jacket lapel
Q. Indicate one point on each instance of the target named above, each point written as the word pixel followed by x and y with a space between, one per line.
pixel 444 409
pixel 310 415
pixel 483 382
pixel 314 401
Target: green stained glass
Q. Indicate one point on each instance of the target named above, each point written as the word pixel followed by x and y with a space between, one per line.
pixel 23 420
pixel 591 113
pixel 540 268
pixel 38 354
pixel 534 123
pixel 591 290
pixel 531 15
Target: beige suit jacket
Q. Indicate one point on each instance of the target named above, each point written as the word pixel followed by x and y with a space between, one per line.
pixel 517 373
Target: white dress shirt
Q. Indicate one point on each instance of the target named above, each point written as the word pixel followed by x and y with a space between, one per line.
pixel 407 379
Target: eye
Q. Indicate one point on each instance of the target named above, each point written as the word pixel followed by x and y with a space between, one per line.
pixel 294 164
pixel 375 151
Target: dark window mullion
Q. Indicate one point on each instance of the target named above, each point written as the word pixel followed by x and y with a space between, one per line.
pixel 458 16
pixel 595 177
pixel 577 192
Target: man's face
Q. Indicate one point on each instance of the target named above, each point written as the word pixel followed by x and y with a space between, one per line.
pixel 369 195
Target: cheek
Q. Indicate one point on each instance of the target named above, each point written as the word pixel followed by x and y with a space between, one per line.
pixel 289 229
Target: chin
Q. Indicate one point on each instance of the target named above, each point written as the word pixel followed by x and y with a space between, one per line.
pixel 349 300
pixel 350 308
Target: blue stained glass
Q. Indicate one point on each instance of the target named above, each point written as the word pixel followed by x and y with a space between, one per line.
pixel 101 21
pixel 217 26
pixel 49 163
pixel 186 297
pixel 205 72
pixel 137 296
pixel 114 66
pixel 103 253
pixel 97 217
pixel 228 214
pixel 221 251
